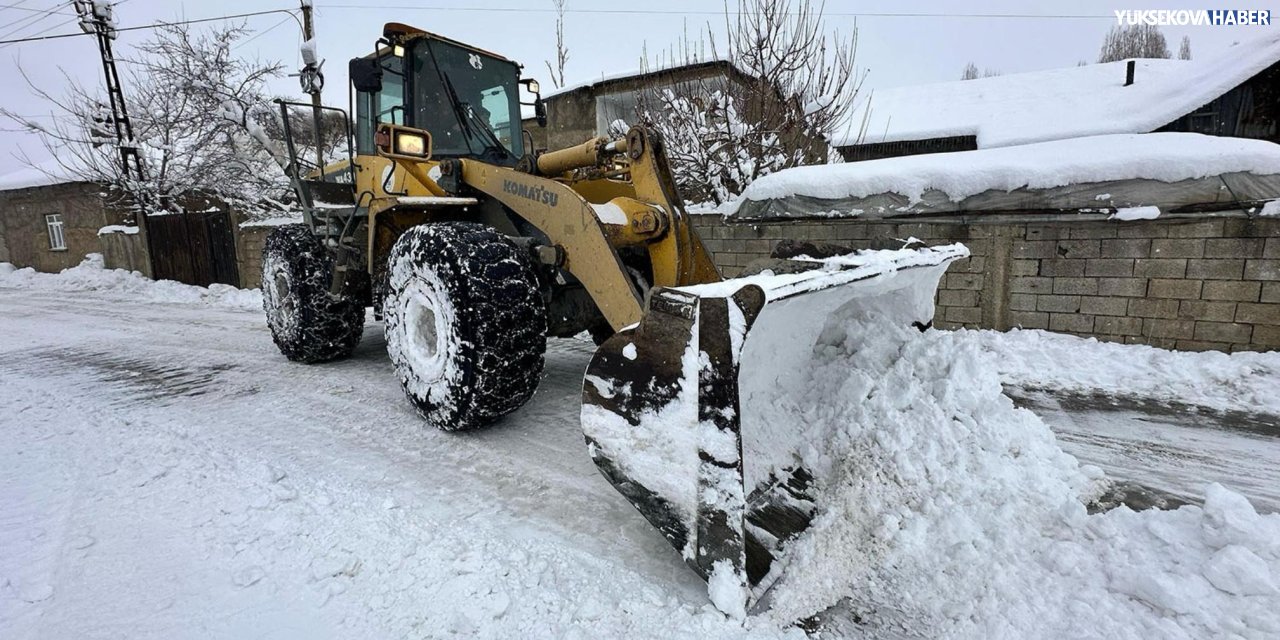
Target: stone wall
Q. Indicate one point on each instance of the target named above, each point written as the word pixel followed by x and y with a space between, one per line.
pixel 25 235
pixel 1192 284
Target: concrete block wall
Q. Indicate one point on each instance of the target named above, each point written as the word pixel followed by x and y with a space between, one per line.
pixel 249 241
pixel 126 251
pixel 1190 284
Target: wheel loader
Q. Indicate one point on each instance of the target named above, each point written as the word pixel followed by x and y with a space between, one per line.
pixel 474 248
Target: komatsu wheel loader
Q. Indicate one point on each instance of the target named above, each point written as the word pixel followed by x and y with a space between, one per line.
pixel 474 249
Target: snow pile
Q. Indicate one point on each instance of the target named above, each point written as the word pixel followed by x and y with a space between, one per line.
pixel 951 513
pixel 1059 103
pixel 131 230
pixel 1165 157
pixel 1136 213
pixel 90 275
pixel 1043 360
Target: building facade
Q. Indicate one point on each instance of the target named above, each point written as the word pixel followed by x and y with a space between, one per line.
pixel 53 226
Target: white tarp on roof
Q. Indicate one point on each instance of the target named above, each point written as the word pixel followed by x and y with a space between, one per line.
pixel 1171 169
pixel 1059 103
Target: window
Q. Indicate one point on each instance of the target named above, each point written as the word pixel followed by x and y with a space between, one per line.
pixel 486 114
pixel 384 106
pixel 57 241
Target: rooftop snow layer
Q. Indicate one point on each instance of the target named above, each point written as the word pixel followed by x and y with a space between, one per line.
pixel 40 174
pixel 941 179
pixel 1059 103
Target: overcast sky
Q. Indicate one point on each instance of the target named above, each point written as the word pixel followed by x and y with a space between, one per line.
pixel 603 37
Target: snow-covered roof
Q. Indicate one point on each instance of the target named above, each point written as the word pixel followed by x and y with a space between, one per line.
pixel 1123 170
pixel 1059 103
pixel 37 175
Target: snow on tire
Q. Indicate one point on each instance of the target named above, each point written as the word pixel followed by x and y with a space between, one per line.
pixel 465 323
pixel 307 323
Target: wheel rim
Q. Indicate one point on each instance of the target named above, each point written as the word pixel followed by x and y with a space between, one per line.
pixel 423 326
pixel 284 301
pixel 420 337
pixel 277 289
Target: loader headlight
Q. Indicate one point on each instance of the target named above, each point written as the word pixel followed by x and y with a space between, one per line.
pixel 533 86
pixel 411 144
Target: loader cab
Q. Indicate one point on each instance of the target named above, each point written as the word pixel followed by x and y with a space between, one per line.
pixel 467 98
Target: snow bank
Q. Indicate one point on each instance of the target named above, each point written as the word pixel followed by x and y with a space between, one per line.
pixel 90 275
pixel 1059 103
pixel 1040 359
pixel 1163 157
pixel 951 513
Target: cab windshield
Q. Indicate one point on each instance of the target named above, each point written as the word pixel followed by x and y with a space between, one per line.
pixel 468 101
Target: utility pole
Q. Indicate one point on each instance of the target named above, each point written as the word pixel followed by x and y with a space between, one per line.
pixel 96 18
pixel 311 78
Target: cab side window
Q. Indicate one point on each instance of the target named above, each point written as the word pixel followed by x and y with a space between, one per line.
pixel 386 105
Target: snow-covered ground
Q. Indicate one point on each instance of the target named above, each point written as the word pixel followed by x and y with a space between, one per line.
pixel 165 473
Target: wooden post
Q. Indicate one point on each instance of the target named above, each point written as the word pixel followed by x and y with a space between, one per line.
pixel 1128 73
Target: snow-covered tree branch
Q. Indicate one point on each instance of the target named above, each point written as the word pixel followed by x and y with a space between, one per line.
pixel 195 107
pixel 789 84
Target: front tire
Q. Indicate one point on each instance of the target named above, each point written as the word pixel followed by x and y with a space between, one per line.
pixel 307 323
pixel 465 323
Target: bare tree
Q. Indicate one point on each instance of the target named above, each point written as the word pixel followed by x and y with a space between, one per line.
pixel 1133 41
pixel 971 72
pixel 562 52
pixel 786 85
pixel 1184 50
pixel 194 106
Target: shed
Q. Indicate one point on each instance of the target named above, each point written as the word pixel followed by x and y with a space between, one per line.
pixel 584 110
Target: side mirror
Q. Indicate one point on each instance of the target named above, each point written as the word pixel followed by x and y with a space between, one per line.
pixel 539 107
pixel 366 74
pixel 540 112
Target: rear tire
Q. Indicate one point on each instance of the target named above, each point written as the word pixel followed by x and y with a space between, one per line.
pixel 307 323
pixel 466 323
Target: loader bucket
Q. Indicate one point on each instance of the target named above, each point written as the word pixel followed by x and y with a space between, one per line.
pixel 690 413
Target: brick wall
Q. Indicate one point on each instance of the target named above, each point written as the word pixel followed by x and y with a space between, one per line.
pixel 1192 284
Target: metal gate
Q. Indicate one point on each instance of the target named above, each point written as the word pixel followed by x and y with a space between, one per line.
pixel 193 248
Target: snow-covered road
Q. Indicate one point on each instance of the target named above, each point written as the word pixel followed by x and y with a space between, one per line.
pixel 270 499
pixel 165 473
pixel 1173 450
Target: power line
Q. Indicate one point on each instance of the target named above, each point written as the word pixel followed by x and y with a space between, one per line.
pixel 858 14
pixel 31 20
pixel 33 36
pixel 19 7
pixel 264 31
pixel 155 25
